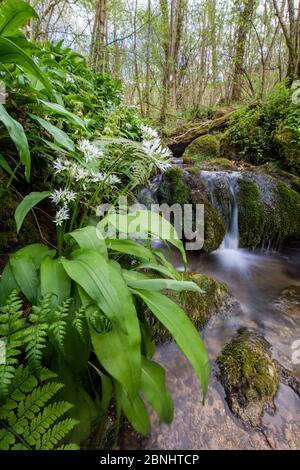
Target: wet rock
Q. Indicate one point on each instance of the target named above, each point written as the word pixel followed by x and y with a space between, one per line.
pixel 182 187
pixel 216 299
pixel 288 377
pixel 249 376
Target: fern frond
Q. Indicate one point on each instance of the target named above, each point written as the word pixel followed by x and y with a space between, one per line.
pixel 79 322
pixel 35 338
pixel 58 327
pixel 27 419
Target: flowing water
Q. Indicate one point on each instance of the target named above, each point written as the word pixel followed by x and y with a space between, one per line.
pixel 255 280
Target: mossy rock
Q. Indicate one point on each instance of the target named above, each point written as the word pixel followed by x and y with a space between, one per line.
pixel 199 307
pixel 288 149
pixel 214 227
pixel 178 187
pixel 227 148
pixel 269 212
pixel 174 188
pixel 202 148
pixel 218 164
pixel 249 376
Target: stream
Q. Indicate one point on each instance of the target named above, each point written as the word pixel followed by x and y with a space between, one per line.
pixel 255 279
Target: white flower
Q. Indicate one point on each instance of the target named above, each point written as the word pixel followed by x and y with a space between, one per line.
pixel 63 196
pixel 90 151
pixel 60 165
pixel 61 216
pixel 96 177
pixel 113 179
pixel 148 132
pixel 158 155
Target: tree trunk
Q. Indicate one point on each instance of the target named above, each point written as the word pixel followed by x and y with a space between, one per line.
pixel 98 42
pixel 242 32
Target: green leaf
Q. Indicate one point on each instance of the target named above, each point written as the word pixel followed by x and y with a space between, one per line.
pixel 59 110
pixel 25 273
pixel 12 53
pixel 143 224
pixel 15 14
pixel 157 267
pixel 87 238
pixel 159 284
pixel 6 167
pixel 60 137
pixel 27 204
pixel 130 247
pixel 119 349
pixel 153 385
pixel 134 409
pixel 37 252
pixel 55 280
pixel 17 134
pixel 182 329
pixel 8 283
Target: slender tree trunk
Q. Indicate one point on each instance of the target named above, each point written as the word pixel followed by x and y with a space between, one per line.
pixel 98 42
pixel 242 32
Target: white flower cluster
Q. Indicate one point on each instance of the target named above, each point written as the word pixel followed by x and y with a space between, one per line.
pixel 62 197
pixel 90 151
pixel 159 156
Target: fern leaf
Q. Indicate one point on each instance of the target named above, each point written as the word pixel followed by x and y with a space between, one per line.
pixel 56 434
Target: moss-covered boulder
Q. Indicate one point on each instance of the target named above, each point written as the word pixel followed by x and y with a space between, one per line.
pixel 174 188
pixel 288 148
pixel 200 308
pixel 214 226
pixel 269 212
pixel 202 148
pixel 178 187
pixel 249 376
pixel 219 164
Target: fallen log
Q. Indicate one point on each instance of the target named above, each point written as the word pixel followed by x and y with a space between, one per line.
pixel 180 138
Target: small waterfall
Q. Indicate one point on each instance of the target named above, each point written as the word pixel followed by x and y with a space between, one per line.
pixel 231 240
pixel 221 187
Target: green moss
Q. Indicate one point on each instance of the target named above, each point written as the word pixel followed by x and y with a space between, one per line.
pixel 219 164
pixel 246 369
pixel 288 148
pixel 173 188
pixel 251 214
pixel 214 227
pixel 274 222
pixel 202 148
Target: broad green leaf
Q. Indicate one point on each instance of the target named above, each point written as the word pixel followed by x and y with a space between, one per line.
pixel 12 53
pixel 182 329
pixel 37 252
pixel 134 409
pixel 59 110
pixel 130 247
pixel 25 273
pixel 14 14
pixel 161 284
pixel 157 267
pixel 60 137
pixel 143 224
pixel 153 386
pixel 54 279
pixel 6 167
pixel 18 136
pixel 8 283
pixel 119 349
pixel 27 204
pixel 87 238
